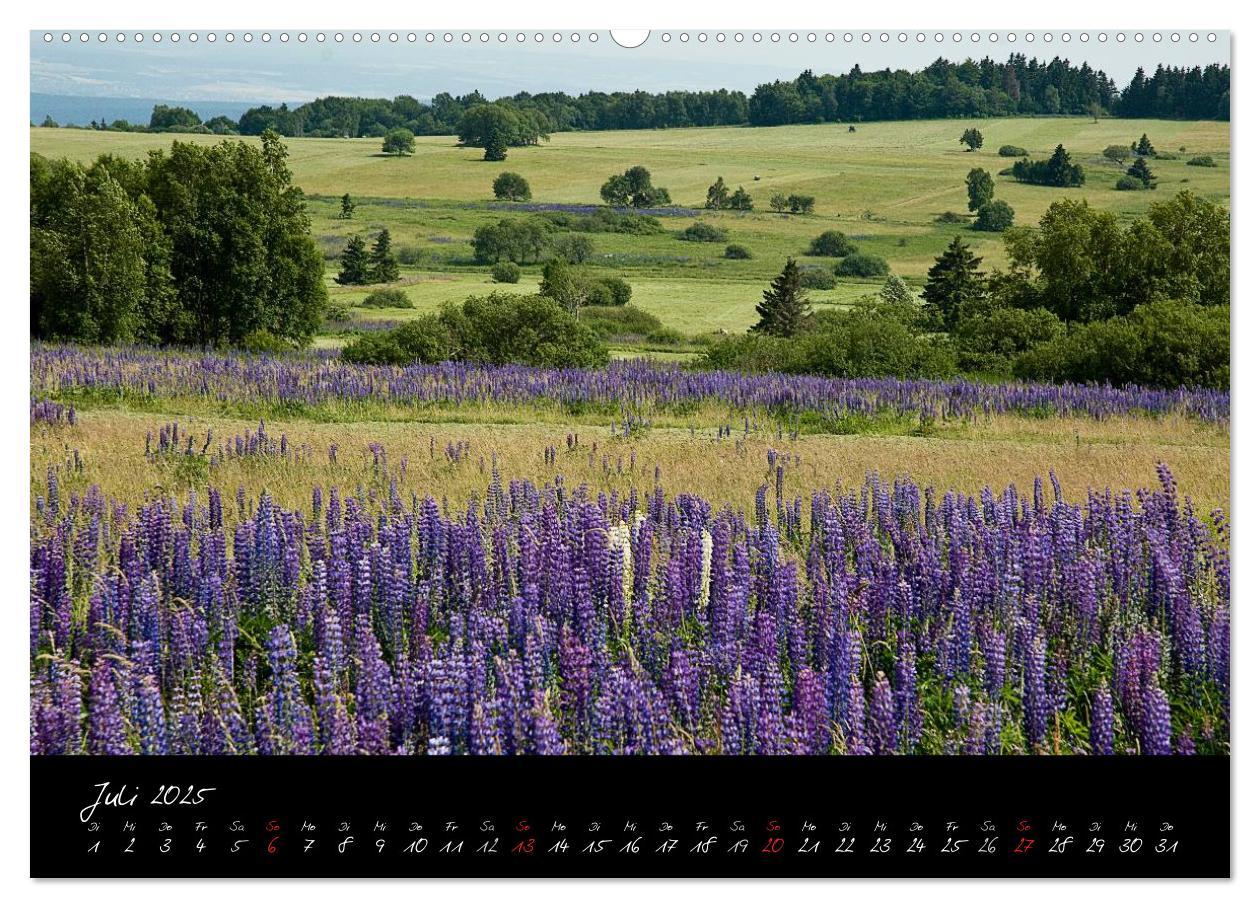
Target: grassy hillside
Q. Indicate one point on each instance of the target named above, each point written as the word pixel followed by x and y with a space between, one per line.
pixel 884 185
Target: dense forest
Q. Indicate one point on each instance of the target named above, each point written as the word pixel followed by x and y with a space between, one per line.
pixel 988 88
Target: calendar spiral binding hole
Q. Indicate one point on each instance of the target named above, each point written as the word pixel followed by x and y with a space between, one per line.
pixel 540 38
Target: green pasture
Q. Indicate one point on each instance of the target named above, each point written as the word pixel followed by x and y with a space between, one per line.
pixel 884 185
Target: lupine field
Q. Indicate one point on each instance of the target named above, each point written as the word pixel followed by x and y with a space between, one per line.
pixel 293 596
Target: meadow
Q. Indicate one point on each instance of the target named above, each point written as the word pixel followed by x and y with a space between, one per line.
pixel 253 554
pixel 883 185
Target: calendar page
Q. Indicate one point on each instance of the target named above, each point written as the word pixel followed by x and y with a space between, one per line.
pixel 638 453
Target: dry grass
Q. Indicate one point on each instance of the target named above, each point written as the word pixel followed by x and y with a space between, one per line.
pixel 1084 454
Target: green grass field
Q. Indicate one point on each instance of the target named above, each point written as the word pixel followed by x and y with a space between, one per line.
pixel 884 185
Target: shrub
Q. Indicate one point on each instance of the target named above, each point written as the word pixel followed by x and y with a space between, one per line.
pixel 410 255
pixel 618 289
pixel 506 273
pixel 667 337
pixel 424 340
pixel 1117 153
pixel 950 217
pixel 1127 183
pixel 842 344
pixel 336 312
pixel 1203 160
pixel 1165 344
pixel 399 142
pixel 735 251
pixel 1012 151
pixel 387 299
pixel 619 321
pixel 800 204
pixel 832 243
pixel 574 249
pixel 595 294
pixel 988 342
pixel 530 330
pixel 817 279
pixel 862 264
pixel 702 232
pixel 511 187
pixel 263 341
pixel 994 216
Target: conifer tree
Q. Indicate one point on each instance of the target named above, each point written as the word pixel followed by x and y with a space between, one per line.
pixel 784 308
pixel 895 291
pixel 954 283
pixel 347 207
pixel 1144 147
pixel 1140 170
pixel 384 262
pixel 355 266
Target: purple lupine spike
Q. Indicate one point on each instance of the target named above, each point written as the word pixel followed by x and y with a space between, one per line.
pixel 1155 730
pixel 882 721
pixel 107 731
pixel 1102 723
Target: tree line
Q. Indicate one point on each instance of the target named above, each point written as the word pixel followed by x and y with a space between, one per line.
pixel 985 88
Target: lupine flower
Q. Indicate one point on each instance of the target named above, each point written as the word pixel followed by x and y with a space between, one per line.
pixel 546 619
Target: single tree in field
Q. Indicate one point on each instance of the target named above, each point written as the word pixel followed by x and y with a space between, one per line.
pixel 784 308
pixel 356 269
pixel 347 207
pixel 895 291
pixel 778 202
pixel 496 150
pixel 1117 154
pixel 979 188
pixel 1140 170
pixel 399 142
pixel 633 189
pixel 972 138
pixel 719 195
pixel 384 262
pixel 954 283
pixel 511 187
pixel 1144 147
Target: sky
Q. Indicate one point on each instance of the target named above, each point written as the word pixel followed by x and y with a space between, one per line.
pixel 272 71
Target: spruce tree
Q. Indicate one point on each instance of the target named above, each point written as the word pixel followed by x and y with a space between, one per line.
pixel 895 291
pixel 355 266
pixel 953 284
pixel 384 263
pixel 1140 170
pixel 1143 146
pixel 347 207
pixel 784 308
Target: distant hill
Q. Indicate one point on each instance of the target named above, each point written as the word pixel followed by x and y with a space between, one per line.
pixel 80 110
